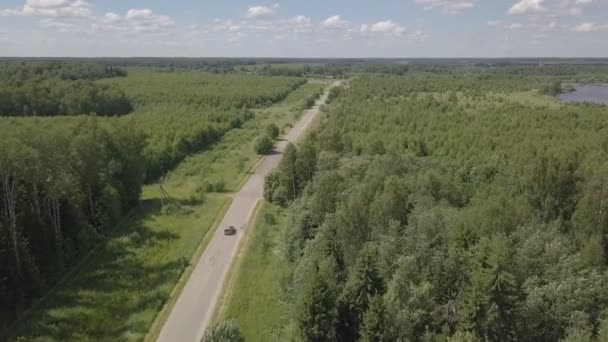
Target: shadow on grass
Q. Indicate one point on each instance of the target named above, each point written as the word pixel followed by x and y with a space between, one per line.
pixel 115 295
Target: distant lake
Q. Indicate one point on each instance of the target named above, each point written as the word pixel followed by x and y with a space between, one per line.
pixel 590 93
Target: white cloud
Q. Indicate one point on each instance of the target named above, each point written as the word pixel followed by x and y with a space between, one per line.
pixel 527 7
pixel 111 17
pixel 335 22
pixel 448 6
pixel 495 22
pixel 589 27
pixel 552 9
pixel 300 20
pixel 301 23
pixel 145 20
pixel 51 8
pixel 262 11
pixel 387 27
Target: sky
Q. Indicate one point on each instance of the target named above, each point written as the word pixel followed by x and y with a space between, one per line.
pixel 304 28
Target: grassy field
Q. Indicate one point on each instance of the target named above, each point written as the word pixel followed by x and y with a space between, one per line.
pixel 255 295
pixel 118 293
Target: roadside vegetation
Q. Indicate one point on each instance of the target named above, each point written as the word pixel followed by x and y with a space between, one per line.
pixel 255 298
pixel 67 181
pixel 440 208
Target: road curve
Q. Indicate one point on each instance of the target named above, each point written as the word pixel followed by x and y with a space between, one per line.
pixel 194 308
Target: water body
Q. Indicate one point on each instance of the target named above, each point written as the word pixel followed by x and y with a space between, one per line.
pixel 590 93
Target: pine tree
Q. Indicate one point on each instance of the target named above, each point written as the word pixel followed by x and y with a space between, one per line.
pixel 317 313
pixel 489 306
pixel 373 327
pixel 364 283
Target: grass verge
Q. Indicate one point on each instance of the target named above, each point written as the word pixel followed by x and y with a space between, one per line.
pixel 254 296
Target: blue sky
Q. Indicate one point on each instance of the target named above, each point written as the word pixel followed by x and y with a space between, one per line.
pixel 305 28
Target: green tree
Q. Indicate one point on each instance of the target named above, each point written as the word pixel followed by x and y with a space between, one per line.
pixel 553 88
pixel 263 145
pixel 317 315
pixel 374 321
pixel 272 130
pixel 289 172
pixel 489 304
pixel 363 284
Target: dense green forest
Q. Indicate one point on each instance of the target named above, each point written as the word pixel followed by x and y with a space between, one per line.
pixel 56 88
pixel 67 180
pixel 18 71
pixel 447 209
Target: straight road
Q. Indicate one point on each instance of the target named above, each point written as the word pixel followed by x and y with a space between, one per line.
pixel 195 306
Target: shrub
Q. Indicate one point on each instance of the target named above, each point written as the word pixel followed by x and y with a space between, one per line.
pixel 263 145
pixel 272 131
pixel 226 331
pixel 219 186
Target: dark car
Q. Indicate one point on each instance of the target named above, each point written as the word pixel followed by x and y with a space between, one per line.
pixel 230 231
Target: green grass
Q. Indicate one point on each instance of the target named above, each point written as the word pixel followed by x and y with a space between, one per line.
pixel 255 296
pixel 117 294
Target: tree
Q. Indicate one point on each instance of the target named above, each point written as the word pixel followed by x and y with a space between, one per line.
pixel 602 334
pixel 373 329
pixel 226 331
pixel 306 162
pixel 289 173
pixel 263 145
pixel 489 304
pixel 579 329
pixel 363 284
pixel 272 130
pixel 317 315
pixel 553 88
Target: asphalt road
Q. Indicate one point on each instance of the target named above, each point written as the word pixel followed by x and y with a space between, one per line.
pixel 195 306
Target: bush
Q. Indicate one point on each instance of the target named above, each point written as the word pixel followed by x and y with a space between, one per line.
pixel 174 208
pixel 197 196
pixel 272 131
pixel 263 145
pixel 270 219
pixel 219 186
pixel 226 331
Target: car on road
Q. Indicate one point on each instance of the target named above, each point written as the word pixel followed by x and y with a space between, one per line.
pixel 230 231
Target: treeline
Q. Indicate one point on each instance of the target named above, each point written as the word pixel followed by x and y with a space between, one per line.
pixel 335 70
pixel 58 88
pixel 57 97
pixel 449 215
pixel 17 72
pixel 204 89
pixel 63 185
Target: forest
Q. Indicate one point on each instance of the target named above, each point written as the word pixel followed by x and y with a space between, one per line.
pixel 445 209
pixel 432 202
pixel 57 88
pixel 70 170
